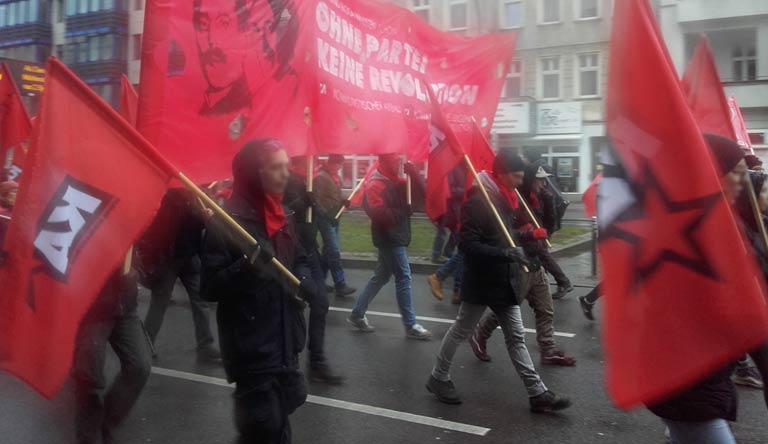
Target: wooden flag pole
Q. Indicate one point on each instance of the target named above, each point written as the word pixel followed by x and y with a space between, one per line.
pixel 236 227
pixel 756 210
pixel 4 217
pixel 128 261
pixel 408 189
pixel 310 183
pixel 490 204
pixel 530 213
pixel 354 191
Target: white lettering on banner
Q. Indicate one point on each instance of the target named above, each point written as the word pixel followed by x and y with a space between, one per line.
pixel 339 64
pixel 55 245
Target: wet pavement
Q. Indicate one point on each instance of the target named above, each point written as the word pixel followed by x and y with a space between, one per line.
pixel 383 400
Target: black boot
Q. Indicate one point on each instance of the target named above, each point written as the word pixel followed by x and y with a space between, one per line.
pixel 322 372
pixel 443 390
pixel 549 402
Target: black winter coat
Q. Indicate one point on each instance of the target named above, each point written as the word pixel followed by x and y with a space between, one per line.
pixel 713 398
pixel 295 199
pixel 260 329
pixel 489 278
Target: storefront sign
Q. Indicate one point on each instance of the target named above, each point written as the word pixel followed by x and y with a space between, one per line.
pixel 512 118
pixel 559 118
pixel 29 77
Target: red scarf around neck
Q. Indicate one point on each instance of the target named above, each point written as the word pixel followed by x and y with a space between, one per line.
pixel 274 215
pixel 510 196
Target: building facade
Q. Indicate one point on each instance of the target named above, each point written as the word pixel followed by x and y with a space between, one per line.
pixel 738 34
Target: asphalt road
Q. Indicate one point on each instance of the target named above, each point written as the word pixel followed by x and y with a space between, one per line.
pixel 384 400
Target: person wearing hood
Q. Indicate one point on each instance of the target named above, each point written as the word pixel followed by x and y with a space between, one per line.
pixel 385 202
pixel 493 278
pixel 536 289
pixel 299 200
pixel 261 325
pixel 701 413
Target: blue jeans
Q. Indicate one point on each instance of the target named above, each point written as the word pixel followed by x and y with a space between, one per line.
pixel 455 267
pixel 715 431
pixel 392 260
pixel 331 251
pixel 441 236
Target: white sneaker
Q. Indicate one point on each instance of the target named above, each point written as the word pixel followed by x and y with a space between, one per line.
pixel 418 332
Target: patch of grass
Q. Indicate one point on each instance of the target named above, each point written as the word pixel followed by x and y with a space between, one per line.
pixel 355 235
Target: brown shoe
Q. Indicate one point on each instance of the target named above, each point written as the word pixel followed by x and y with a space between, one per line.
pixel 557 357
pixel 456 299
pixel 436 285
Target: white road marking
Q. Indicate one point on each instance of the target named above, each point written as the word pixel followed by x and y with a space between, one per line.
pixel 428 319
pixel 329 402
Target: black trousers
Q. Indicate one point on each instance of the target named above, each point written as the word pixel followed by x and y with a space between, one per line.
pixel 100 409
pixel 263 404
pixel 550 264
pixel 318 310
pixel 188 270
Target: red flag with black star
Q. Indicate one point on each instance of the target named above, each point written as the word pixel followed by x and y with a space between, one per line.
pixel 705 94
pixel 91 186
pixel 682 299
pixel 15 126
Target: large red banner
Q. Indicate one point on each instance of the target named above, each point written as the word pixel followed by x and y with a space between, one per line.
pixel 91 185
pixel 372 63
pixel 216 74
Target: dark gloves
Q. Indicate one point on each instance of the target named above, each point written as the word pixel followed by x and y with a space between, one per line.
pixel 410 169
pixel 309 199
pixel 305 292
pixel 516 254
pixel 262 254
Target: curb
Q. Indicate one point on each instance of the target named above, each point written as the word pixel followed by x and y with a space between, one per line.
pixel 423 267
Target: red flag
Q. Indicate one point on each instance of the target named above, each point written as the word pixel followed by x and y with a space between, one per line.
pixel 357 199
pixel 739 128
pixel 589 198
pixel 15 126
pixel 445 154
pixel 129 100
pixel 480 153
pixel 92 185
pixel 705 94
pixel 681 295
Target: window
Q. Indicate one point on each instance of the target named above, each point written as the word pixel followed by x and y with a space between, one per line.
pixel 744 63
pixel 82 52
pixel 549 81
pixel 108 5
pixel 71 7
pixel 589 72
pixel 94 44
pixel 420 7
pixel 3 15
pixel 550 11
pixel 514 82
pixel 11 14
pixel 511 13
pixel 108 47
pixel 82 6
pixel 587 9
pixel 94 5
pixel 458 14
pixel 137 47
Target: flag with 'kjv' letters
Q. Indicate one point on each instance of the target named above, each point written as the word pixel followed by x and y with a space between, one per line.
pixel 91 185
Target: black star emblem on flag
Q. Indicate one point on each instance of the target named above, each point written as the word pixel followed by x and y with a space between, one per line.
pixel 662 230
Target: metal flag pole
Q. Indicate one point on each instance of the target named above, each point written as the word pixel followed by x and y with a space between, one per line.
pixel 310 183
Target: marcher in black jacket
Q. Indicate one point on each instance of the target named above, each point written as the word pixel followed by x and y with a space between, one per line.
pixel 492 278
pixel 261 328
pixel 299 200
pixel 170 251
pixel 111 319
